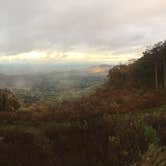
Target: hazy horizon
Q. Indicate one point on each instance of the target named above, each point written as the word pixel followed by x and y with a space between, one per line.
pixel 34 68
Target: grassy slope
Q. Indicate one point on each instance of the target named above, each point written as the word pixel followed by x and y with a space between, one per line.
pixel 61 138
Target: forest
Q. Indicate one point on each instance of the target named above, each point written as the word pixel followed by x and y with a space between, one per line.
pixel 120 123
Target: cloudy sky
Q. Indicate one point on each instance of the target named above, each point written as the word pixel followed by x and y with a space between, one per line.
pixel 79 30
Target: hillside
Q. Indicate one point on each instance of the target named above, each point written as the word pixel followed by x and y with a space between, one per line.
pixel 116 125
pixel 100 69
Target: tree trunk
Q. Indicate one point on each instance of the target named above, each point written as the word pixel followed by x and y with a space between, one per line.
pixel 164 66
pixel 156 75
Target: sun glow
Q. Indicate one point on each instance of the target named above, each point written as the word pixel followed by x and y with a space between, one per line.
pixel 47 56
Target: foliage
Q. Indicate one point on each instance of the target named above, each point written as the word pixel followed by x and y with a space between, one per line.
pixel 75 137
pixel 151 134
pixel 141 72
pixel 8 101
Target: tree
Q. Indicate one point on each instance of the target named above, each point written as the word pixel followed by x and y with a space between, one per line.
pixel 163 54
pixel 153 55
pixel 149 71
pixel 8 100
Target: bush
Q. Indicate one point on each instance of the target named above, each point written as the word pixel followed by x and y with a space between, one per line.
pixel 8 101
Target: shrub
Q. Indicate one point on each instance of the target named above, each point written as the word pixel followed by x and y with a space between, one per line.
pixel 151 134
pixel 8 100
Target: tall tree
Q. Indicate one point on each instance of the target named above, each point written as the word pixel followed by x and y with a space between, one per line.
pixel 153 55
pixel 164 70
pixel 156 74
pixel 163 53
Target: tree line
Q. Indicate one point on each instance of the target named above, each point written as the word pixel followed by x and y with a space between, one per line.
pixel 149 71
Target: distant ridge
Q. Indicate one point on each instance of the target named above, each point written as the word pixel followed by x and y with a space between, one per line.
pixel 100 69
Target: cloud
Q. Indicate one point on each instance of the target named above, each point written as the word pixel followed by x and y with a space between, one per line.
pixel 80 26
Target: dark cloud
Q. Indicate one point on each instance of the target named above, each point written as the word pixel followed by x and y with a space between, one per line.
pixel 66 25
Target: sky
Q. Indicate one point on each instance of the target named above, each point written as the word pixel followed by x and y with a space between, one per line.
pixel 110 31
